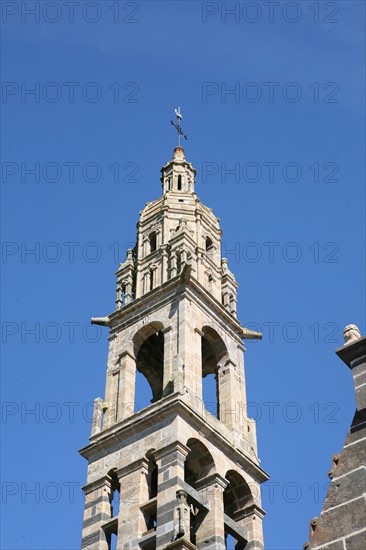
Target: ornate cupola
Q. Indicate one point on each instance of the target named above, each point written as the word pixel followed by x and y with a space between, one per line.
pixel 178 174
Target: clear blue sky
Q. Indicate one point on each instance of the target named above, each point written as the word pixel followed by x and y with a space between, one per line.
pixel 293 221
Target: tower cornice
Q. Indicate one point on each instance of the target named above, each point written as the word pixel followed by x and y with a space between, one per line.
pixel 148 302
pixel 173 405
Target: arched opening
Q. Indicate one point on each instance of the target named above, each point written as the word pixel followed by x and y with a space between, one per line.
pixel 230 542
pixel 151 280
pixel 237 495
pixel 210 390
pixel 213 351
pixel 152 241
pixel 111 528
pixel 149 353
pixel 209 282
pixel 149 509
pixel 115 493
pixel 198 465
pixel 180 182
pixel 143 392
pixel 152 475
pixel 209 244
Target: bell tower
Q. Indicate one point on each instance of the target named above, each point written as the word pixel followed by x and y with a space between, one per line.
pixel 174 475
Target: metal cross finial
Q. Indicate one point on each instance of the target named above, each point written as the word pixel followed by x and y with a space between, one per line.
pixel 177 125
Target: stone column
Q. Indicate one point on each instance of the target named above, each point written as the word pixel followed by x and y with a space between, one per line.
pixel 200 266
pixel 183 257
pixel 164 264
pixel 119 295
pixel 128 295
pixel 197 362
pixel 111 396
pixel 139 280
pixel 251 521
pixel 126 390
pixel 99 408
pixel 120 390
pixel 155 276
pixel 241 374
pixel 170 463
pixel 182 517
pixel 230 396
pixel 233 306
pixel 199 254
pixel 186 349
pixel 173 265
pixel 97 511
pixel 133 494
pixel 211 533
pixel 168 374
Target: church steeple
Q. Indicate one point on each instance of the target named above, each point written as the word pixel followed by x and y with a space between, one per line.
pixel 187 471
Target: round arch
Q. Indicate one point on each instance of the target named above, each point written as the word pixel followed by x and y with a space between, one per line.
pixel 144 333
pixel 214 353
pixel 199 463
pixel 237 495
pixel 114 496
pixel 214 350
pixel 148 346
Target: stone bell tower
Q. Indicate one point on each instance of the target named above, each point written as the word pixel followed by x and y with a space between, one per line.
pixel 174 475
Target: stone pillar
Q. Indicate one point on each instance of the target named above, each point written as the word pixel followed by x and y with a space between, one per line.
pixel 233 306
pixel 120 390
pixel 111 396
pixel 170 463
pixel 183 257
pixel 241 374
pixel 156 276
pixel 200 266
pixel 126 390
pixel 197 361
pixel 145 283
pixel 139 280
pixel 164 264
pixel 251 521
pixel 128 295
pixel 97 511
pixel 133 494
pixel 230 396
pixel 99 408
pixel 168 374
pixel 186 349
pixel 211 533
pixel 144 246
pixel 119 295
pixel 173 265
pixel 182 517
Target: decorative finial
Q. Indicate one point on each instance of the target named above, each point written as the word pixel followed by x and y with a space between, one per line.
pixel 351 333
pixel 177 125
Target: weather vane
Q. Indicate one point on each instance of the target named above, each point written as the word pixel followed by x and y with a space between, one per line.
pixel 177 125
